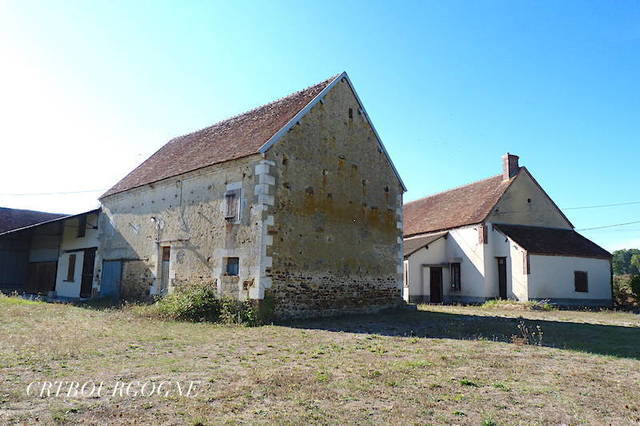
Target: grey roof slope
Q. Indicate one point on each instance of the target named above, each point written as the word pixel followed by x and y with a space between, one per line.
pixel 553 241
pixel 11 219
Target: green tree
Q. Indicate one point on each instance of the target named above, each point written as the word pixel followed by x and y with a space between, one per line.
pixel 635 262
pixel 622 262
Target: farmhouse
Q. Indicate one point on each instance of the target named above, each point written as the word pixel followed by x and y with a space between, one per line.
pixel 53 254
pixel 502 237
pixel 296 202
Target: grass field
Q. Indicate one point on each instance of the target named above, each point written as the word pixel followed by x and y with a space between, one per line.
pixel 440 364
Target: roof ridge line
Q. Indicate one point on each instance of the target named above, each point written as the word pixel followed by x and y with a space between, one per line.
pixel 453 189
pixel 254 109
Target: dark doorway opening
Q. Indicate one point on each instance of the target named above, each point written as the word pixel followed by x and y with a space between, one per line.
pixel 502 277
pixel 435 285
pixel 41 277
pixel 88 262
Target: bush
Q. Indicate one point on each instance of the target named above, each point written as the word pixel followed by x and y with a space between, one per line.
pixel 197 303
pixel 634 285
pixel 626 289
pixel 200 303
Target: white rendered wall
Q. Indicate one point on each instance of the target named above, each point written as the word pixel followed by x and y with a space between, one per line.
pixel 71 241
pixel 435 254
pixel 70 288
pixel 552 277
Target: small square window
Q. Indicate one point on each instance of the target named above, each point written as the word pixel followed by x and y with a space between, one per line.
pixel 232 266
pixel 581 281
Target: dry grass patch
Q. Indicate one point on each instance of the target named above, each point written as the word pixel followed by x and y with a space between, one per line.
pixel 436 365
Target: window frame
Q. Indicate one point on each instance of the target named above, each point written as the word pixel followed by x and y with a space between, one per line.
pixel 229 261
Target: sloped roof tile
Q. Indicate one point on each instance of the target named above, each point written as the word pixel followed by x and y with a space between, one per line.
pixel 465 205
pixel 234 138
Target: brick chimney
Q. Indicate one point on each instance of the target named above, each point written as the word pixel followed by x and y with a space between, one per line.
pixel 510 166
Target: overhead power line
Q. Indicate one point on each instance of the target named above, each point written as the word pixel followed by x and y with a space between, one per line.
pixel 37 194
pixel 608 226
pixel 628 203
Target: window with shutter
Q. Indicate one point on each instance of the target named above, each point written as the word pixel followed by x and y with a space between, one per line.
pixel 232 199
pixel 71 268
pixel 233 266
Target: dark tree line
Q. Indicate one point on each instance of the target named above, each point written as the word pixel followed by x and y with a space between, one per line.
pixel 626 261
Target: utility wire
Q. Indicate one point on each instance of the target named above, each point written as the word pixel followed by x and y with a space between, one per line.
pixel 31 194
pixel 602 205
pixel 608 226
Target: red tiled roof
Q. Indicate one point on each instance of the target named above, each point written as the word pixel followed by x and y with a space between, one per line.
pixel 553 241
pixel 16 218
pixel 465 205
pixel 230 139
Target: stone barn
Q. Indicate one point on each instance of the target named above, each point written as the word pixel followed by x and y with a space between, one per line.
pixel 296 201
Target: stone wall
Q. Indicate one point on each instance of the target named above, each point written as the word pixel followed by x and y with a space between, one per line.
pixel 335 242
pixel 187 214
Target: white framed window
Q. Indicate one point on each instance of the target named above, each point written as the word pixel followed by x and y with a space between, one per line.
pixel 232 266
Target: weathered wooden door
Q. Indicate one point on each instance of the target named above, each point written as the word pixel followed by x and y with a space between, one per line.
pixel 164 273
pixel 111 277
pixel 435 286
pixel 502 277
pixel 87 272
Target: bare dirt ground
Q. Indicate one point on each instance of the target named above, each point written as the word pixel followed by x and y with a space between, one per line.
pixel 440 364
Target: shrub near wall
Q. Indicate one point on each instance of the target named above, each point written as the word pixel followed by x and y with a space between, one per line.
pixel 200 303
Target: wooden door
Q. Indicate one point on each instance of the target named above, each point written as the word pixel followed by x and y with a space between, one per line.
pixel 502 277
pixel 164 272
pixel 435 286
pixel 88 262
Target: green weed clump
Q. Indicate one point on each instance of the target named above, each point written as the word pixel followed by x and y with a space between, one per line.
pixel 200 303
pixel 538 305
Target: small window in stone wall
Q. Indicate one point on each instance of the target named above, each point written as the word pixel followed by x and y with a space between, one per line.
pixel 232 266
pixel 456 284
pixel 581 279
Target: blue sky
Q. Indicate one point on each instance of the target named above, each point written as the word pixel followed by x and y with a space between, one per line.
pixel 90 89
